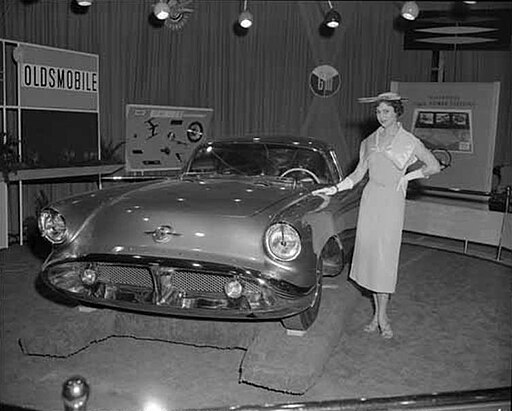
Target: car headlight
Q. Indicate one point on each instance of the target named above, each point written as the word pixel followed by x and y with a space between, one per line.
pixel 52 226
pixel 283 242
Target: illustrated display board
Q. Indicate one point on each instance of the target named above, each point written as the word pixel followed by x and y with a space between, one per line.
pixel 50 105
pixel 460 118
pixel 444 129
pixel 162 137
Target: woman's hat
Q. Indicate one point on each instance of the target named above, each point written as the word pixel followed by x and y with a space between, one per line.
pixel 388 96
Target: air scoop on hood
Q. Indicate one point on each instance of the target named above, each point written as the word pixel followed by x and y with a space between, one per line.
pixel 216 197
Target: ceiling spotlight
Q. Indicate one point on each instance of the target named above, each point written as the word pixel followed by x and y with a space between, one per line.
pixel 84 3
pixel 161 10
pixel 410 10
pixel 332 19
pixel 245 18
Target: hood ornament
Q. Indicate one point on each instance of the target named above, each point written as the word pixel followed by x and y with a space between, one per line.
pixel 163 234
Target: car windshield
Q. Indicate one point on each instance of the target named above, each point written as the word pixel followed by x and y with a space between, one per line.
pixel 261 159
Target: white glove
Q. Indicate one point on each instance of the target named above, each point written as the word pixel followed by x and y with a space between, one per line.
pixel 345 184
pixel 413 175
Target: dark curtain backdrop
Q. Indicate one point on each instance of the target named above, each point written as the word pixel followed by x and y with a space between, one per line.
pixel 258 82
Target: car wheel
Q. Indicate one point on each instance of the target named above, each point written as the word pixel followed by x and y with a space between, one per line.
pixel 333 258
pixel 305 319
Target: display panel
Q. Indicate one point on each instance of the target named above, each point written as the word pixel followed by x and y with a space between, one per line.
pixel 162 137
pixel 58 138
pixel 444 129
pixel 49 105
pixel 460 118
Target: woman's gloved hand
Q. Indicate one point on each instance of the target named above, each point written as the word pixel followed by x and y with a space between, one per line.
pixel 345 184
pixel 413 175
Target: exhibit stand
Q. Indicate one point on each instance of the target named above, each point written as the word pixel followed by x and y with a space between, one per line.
pixel 460 119
pixel 462 220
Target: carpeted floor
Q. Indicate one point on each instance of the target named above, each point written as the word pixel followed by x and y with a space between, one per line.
pixel 452 317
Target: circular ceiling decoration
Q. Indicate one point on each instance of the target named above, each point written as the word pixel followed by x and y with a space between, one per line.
pixel 324 81
pixel 179 14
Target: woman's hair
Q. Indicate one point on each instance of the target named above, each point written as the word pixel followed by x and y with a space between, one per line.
pixel 396 104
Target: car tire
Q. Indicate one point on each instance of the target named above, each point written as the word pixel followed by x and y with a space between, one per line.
pixel 334 259
pixel 306 318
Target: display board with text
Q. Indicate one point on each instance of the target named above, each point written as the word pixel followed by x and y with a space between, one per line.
pixel 50 104
pixel 460 118
pixel 163 137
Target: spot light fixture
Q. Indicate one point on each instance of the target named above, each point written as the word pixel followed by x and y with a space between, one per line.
pixel 161 10
pixel 84 3
pixel 410 10
pixel 332 18
pixel 245 18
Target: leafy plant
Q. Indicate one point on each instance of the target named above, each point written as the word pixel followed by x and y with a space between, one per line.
pixel 9 161
pixel 109 151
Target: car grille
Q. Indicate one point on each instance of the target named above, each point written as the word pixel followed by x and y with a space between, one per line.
pixel 125 275
pixel 183 280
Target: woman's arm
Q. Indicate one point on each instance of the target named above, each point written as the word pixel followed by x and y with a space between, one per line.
pixel 353 178
pixel 362 166
pixel 430 164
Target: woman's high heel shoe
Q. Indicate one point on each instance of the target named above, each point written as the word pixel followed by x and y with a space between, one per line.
pixel 372 327
pixel 385 331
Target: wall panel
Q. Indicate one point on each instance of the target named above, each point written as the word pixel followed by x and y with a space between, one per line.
pixel 257 82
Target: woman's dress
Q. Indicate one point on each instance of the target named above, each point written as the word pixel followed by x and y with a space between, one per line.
pixel 381 211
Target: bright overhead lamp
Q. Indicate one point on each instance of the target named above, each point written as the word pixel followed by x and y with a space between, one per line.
pixel 84 3
pixel 161 10
pixel 332 18
pixel 245 18
pixel 410 10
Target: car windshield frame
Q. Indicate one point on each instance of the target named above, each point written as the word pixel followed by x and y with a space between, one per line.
pixel 262 159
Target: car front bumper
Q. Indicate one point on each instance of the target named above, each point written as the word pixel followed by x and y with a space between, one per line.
pixel 176 287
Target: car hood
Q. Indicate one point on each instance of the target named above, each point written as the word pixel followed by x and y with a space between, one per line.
pixel 214 197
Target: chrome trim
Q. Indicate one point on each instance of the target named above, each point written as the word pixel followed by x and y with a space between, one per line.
pixel 163 234
pixel 263 297
pixel 494 399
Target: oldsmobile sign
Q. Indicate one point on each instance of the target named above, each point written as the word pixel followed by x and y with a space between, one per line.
pixel 58 79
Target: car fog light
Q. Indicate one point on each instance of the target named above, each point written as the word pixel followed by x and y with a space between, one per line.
pixel 233 289
pixel 88 276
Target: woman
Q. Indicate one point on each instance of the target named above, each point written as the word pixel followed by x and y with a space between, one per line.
pixel 386 154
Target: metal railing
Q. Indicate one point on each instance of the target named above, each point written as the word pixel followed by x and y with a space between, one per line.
pixel 76 391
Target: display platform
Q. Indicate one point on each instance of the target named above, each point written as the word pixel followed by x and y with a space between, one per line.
pixel 274 358
pixel 459 219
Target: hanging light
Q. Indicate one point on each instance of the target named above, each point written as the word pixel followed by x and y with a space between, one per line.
pixel 245 18
pixel 332 18
pixel 161 10
pixel 410 10
pixel 84 3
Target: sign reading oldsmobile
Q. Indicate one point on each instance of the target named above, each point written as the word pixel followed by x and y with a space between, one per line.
pixel 59 79
pixel 38 76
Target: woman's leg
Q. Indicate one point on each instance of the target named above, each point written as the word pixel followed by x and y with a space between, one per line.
pixel 374 324
pixel 382 303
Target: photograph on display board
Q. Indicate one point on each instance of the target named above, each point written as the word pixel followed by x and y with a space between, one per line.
pixel 444 129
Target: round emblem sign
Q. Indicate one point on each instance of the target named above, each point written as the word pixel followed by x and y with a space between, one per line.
pixel 324 81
